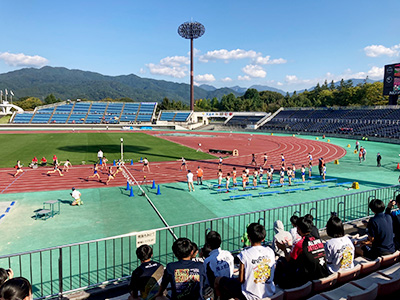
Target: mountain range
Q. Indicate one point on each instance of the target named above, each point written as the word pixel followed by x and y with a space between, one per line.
pixel 77 84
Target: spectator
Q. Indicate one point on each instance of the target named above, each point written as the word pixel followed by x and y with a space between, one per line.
pixel 43 161
pixel 380 232
pixel 220 262
pixel 306 261
pixel 195 252
pixel 205 251
pixel 293 231
pixel 199 175
pixel 395 220
pixel 187 277
pixel 100 157
pixel 339 249
pixel 34 162
pixel 257 269
pixel 17 288
pixel 314 229
pixel 145 278
pixel 5 275
pixel 281 236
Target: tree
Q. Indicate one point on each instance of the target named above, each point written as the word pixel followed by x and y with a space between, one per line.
pixel 50 99
pixel 29 103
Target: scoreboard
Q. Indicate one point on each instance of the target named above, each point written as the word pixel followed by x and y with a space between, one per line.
pixel 391 80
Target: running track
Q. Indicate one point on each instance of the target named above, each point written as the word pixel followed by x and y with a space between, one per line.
pixel 294 149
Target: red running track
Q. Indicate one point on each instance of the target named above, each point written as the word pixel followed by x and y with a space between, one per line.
pixel 294 149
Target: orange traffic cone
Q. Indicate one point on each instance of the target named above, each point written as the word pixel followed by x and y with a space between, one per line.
pixel 398 166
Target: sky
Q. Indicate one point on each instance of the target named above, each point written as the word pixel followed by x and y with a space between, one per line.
pixel 289 45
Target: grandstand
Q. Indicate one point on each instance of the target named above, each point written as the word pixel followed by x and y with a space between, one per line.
pixel 368 121
pixel 88 113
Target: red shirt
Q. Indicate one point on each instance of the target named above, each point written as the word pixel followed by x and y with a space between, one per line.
pixel 35 160
pixel 43 159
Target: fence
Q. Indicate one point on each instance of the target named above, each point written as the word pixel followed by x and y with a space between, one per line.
pixel 64 269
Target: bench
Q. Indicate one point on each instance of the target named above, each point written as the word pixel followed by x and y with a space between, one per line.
pixel 313 177
pixel 240 196
pixel 329 179
pixel 318 186
pixel 252 187
pixel 221 151
pixel 344 183
pixel 269 193
pixel 227 190
pixel 278 184
pixel 302 182
pixel 211 186
pixel 294 190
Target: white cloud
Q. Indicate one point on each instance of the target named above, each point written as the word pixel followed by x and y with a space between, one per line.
pixel 142 71
pixel 177 72
pixel 279 83
pixel 254 71
pixel 373 73
pixel 226 79
pixel 20 59
pixel 267 61
pixel 205 78
pixel 175 61
pixel 379 50
pixel 244 78
pixel 224 54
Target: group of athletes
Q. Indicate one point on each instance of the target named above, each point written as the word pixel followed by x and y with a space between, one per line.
pixel 56 166
pixel 258 172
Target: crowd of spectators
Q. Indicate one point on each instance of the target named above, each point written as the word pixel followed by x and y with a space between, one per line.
pixel 294 258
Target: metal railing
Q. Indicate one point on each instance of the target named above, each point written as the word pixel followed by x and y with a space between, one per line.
pixel 59 270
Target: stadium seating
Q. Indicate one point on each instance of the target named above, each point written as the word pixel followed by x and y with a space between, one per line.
pixel 369 121
pixel 243 121
pixel 174 116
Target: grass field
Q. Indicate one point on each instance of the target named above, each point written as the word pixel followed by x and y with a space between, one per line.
pixel 83 147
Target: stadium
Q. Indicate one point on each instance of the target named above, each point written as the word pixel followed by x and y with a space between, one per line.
pixel 94 244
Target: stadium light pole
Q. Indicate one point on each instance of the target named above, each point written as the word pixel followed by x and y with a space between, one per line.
pixel 122 149
pixel 191 31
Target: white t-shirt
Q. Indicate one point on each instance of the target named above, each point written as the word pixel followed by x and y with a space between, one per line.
pixel 100 154
pixel 220 262
pixel 190 177
pixel 339 254
pixel 76 194
pixel 259 268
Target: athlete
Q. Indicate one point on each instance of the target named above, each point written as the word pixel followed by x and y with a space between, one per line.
pixel 95 172
pixel 283 160
pixel 220 162
pixel 190 180
pixel 234 180
pixel 303 173
pixel 146 164
pixel 119 167
pixel 289 173
pixel 269 177
pixel 282 176
pixel 253 160
pixel 244 180
pixel 110 174
pixel 219 174
pixel 272 172
pixel 294 171
pixel 104 165
pixel 228 179
pixel 309 157
pixel 18 166
pixel 56 169
pixel 261 171
pixel 67 165
pixel 309 169
pixel 183 164
pixel 255 177
pixel 265 159
pixel 323 172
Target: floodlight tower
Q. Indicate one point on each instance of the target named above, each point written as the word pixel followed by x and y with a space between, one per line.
pixel 191 30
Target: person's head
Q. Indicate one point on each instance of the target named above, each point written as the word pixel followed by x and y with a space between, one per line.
pixel 144 252
pixel 4 274
pixel 293 220
pixel 205 251
pixel 213 239
pixel 302 166
pixel 334 227
pixel 229 174
pixel 189 171
pixel 234 168
pixel 17 288
pixel 304 226
pixel 73 189
pixel 377 206
pixel 182 248
pixel 198 167
pixel 195 250
pixel 256 233
pixel 309 217
pixel 94 165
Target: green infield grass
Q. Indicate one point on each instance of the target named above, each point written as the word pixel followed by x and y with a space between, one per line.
pixel 82 147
